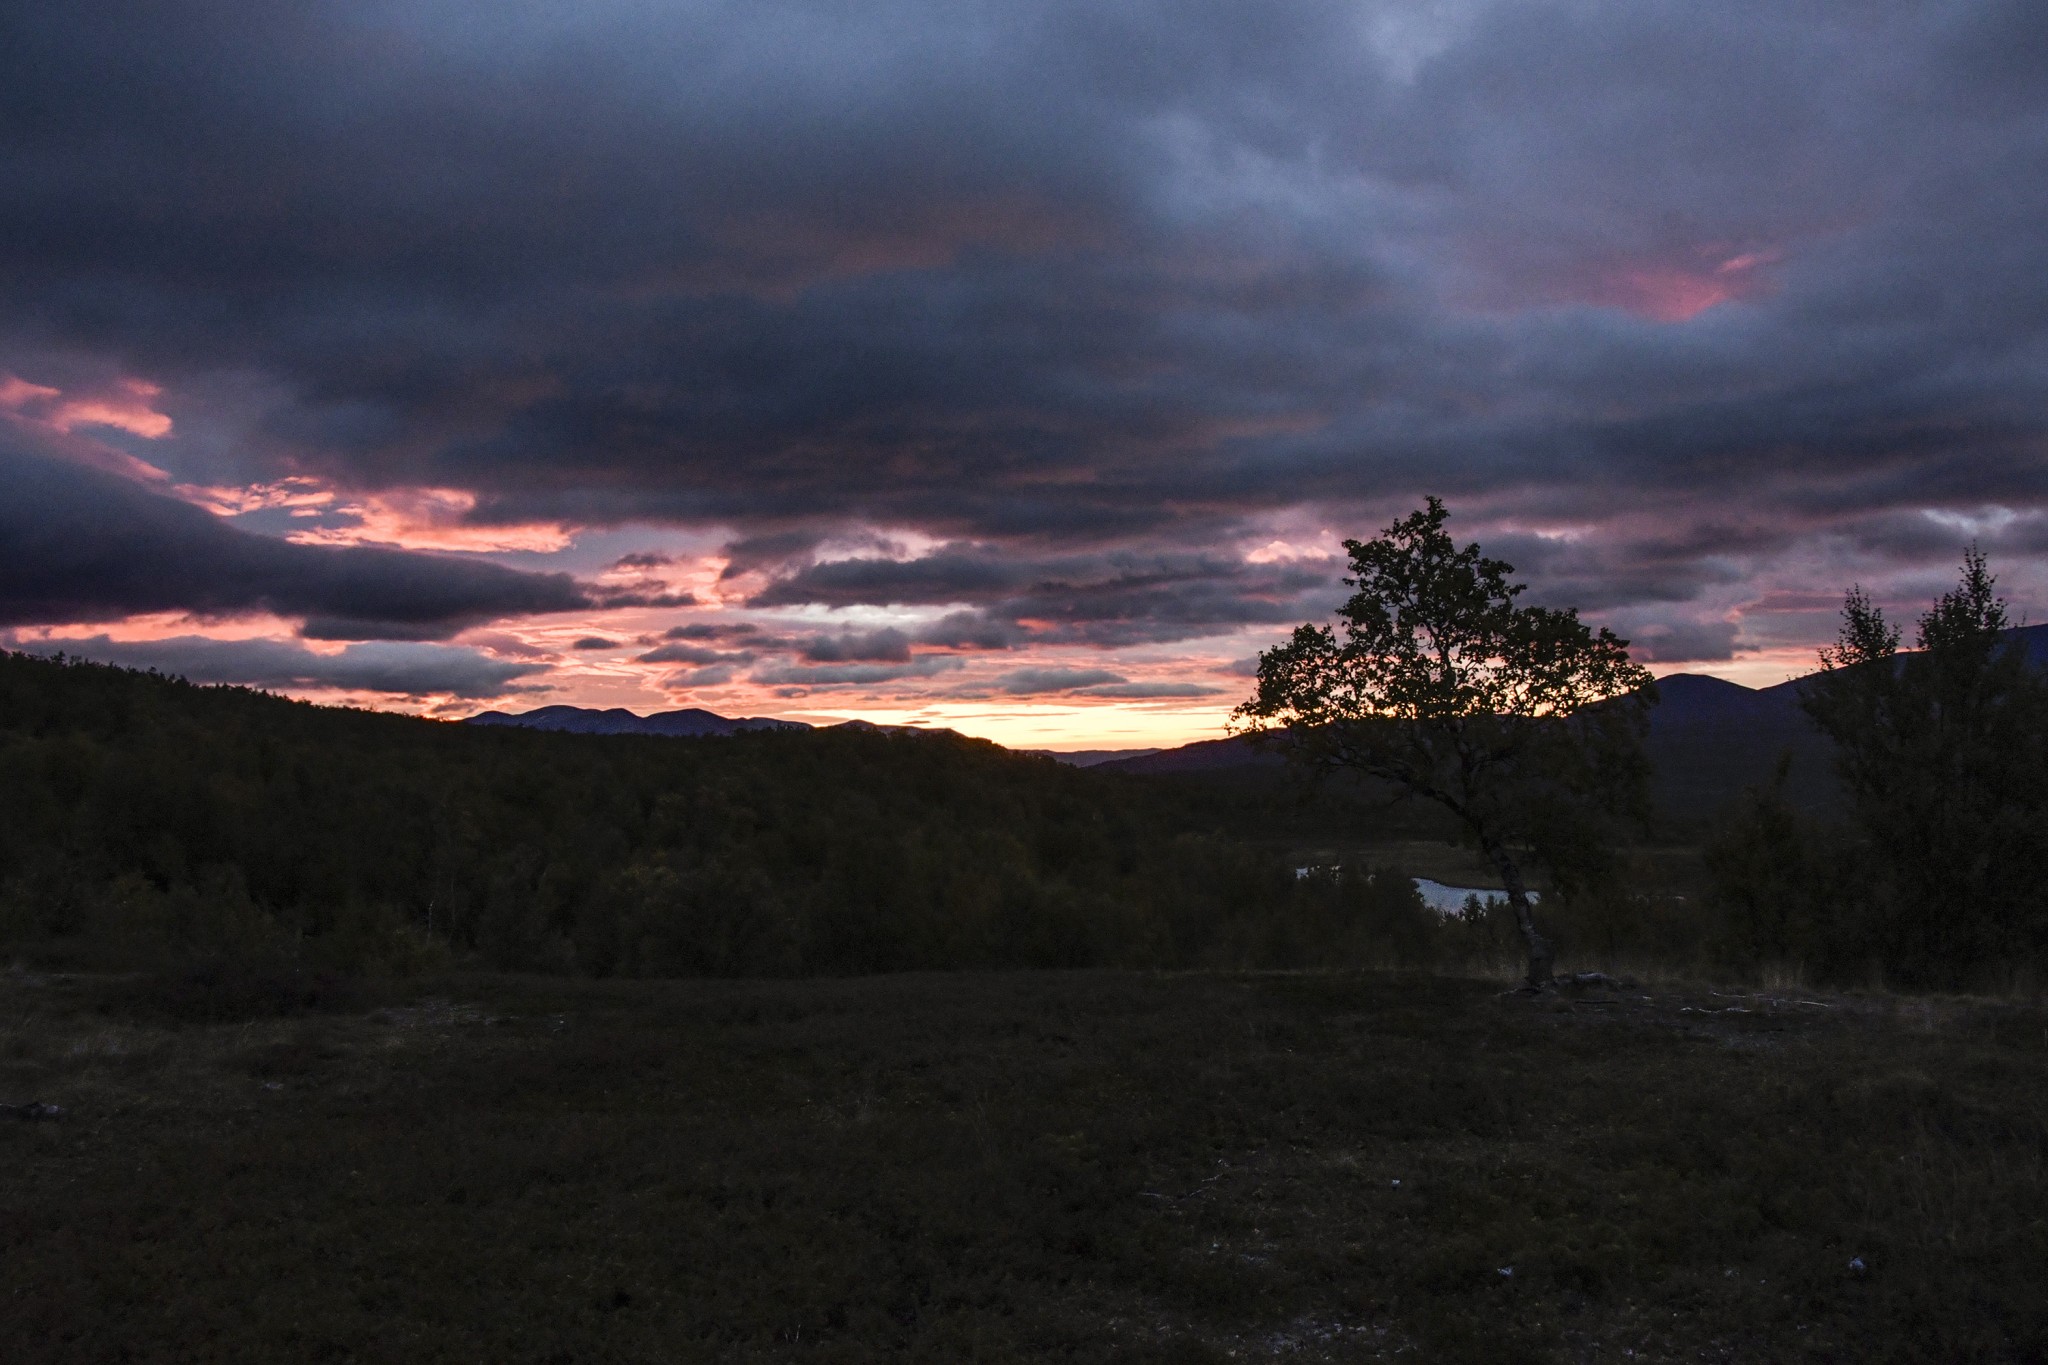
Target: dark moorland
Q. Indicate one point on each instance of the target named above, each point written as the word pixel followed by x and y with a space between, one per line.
pixel 332 1035
pixel 1022 1166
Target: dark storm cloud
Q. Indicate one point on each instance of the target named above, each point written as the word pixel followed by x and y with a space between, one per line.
pixel 80 545
pixel 1056 277
pixel 1673 642
pixel 953 574
pixel 710 630
pixel 593 642
pixel 847 675
pixel 1026 682
pixel 866 646
pixel 693 654
pixel 1088 682
pixel 969 630
pixel 713 675
pixel 1109 599
pixel 1151 691
pixel 414 670
pixel 605 596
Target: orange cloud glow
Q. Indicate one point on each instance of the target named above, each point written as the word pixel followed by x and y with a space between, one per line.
pixel 304 497
pixel 428 519
pixel 127 408
pixel 17 393
pixel 130 412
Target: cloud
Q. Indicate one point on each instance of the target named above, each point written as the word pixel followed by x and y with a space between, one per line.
pixel 969 630
pixel 1700 294
pixel 1026 682
pixel 693 654
pixel 608 598
pixel 716 675
pixel 1107 599
pixel 1670 642
pixel 80 545
pixel 872 646
pixel 956 573
pixel 594 642
pixel 1152 690
pixel 712 630
pixel 849 675
pixel 412 670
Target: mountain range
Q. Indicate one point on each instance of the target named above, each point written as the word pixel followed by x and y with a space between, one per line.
pixel 1709 740
pixel 582 720
pixel 695 722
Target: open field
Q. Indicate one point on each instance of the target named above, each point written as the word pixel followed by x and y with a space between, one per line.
pixel 1084 1166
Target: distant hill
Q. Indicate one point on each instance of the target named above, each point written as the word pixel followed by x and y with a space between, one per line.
pixel 696 722
pixel 582 720
pixel 1089 758
pixel 1203 756
pixel 1709 740
pixel 145 820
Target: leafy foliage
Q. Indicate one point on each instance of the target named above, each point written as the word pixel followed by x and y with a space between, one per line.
pixel 1521 721
pixel 1942 751
pixel 141 816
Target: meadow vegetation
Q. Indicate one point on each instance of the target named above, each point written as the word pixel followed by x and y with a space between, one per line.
pixel 1091 1166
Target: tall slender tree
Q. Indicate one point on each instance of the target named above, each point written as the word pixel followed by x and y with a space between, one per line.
pixel 1941 750
pixel 1522 722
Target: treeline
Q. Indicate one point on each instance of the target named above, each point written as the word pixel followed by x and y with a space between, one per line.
pixel 1939 876
pixel 143 817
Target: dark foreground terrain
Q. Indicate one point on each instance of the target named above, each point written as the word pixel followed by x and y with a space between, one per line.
pixel 1004 1167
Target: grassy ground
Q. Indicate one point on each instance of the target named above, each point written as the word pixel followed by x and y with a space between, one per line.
pixel 1075 1167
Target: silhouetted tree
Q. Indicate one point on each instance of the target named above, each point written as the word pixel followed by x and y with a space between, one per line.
pixel 1942 752
pixel 1522 722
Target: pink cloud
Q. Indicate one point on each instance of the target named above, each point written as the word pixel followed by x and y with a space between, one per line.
pixel 128 407
pixel 1678 293
pixel 17 393
pixel 301 496
pixel 428 519
pixel 1660 286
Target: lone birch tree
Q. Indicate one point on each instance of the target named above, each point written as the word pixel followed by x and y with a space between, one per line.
pixel 1522 722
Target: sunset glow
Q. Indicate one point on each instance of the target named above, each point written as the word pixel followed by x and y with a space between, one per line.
pixel 977 381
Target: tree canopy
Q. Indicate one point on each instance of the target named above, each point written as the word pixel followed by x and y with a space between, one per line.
pixel 146 820
pixel 1521 721
pixel 1942 751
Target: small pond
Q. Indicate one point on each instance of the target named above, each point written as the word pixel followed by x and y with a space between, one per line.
pixel 1451 899
pixel 1439 896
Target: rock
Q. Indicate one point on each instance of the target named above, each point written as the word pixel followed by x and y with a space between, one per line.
pixel 33 1112
pixel 1583 981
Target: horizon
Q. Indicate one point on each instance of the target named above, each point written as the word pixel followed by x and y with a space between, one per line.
pixel 1012 369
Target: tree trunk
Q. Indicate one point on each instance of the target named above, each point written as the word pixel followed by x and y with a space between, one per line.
pixel 1540 956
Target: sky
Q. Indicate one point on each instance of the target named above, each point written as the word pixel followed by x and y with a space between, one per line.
pixel 1018 367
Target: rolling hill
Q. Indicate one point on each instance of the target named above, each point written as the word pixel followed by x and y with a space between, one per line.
pixel 1709 740
pixel 582 720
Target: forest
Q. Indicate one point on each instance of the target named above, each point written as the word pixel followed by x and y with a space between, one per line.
pixel 143 816
pixel 150 823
